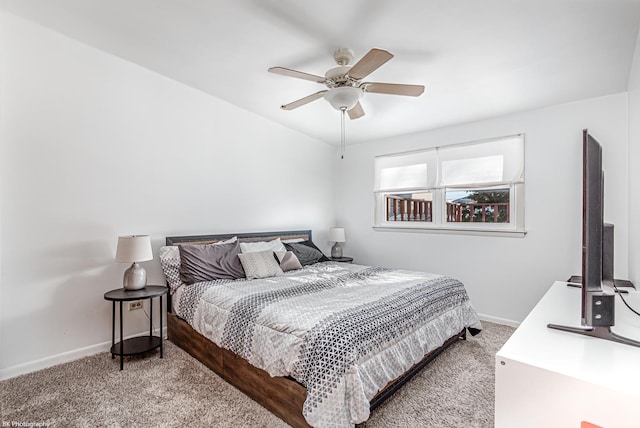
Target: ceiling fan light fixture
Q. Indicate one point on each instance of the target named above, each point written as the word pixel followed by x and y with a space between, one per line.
pixel 343 97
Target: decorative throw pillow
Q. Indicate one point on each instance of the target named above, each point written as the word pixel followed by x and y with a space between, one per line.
pixel 170 262
pixel 306 252
pixel 254 247
pixel 312 245
pixel 209 262
pixel 260 264
pixel 306 255
pixel 288 261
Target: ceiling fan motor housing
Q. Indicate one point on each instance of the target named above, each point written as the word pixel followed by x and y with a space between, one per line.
pixel 337 76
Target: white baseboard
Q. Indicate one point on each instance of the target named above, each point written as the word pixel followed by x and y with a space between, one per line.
pixel 65 357
pixel 497 320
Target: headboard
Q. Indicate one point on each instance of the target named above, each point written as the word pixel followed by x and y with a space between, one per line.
pixel 242 237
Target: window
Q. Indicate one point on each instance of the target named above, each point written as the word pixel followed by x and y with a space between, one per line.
pixel 471 187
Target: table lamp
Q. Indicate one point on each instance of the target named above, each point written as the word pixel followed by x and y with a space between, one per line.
pixel 133 249
pixel 336 234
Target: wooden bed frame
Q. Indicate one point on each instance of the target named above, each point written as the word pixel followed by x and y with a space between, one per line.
pixel 282 396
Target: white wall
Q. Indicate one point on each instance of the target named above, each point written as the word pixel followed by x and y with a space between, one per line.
pixel 505 277
pixel 634 166
pixel 95 147
pixel 2 156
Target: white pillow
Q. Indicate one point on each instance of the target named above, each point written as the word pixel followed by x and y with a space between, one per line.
pixel 254 247
pixel 260 264
pixel 293 240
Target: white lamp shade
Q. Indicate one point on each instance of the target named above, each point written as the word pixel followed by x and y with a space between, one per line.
pixel 134 248
pixel 336 234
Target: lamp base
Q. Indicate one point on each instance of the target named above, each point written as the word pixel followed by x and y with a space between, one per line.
pixel 135 278
pixel 336 251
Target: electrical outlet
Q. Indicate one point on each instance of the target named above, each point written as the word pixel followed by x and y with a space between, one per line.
pixel 135 305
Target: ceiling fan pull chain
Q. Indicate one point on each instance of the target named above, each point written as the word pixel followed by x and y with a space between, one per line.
pixel 342 144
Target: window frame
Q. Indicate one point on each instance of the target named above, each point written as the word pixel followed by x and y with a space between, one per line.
pixel 515 227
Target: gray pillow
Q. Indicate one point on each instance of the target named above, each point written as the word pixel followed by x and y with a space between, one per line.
pixel 209 262
pixel 305 254
pixel 260 264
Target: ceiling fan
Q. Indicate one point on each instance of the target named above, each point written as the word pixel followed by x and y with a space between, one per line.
pixel 344 82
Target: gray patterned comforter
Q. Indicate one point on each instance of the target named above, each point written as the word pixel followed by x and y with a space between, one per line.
pixel 342 330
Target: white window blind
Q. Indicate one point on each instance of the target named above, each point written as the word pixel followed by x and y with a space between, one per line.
pixel 404 177
pixel 408 171
pixel 480 170
pixel 499 161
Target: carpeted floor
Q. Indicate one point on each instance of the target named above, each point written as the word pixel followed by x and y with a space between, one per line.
pixel 456 390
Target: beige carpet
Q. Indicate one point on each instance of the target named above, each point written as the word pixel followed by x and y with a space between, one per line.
pixel 456 390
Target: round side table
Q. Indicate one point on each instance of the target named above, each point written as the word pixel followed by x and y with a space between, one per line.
pixel 140 344
pixel 342 259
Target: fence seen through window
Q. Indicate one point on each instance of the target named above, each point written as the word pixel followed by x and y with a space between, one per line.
pixel 462 206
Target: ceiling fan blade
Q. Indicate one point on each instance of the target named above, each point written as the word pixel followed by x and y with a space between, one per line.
pixel 297 74
pixel 356 111
pixel 395 89
pixel 303 101
pixel 369 63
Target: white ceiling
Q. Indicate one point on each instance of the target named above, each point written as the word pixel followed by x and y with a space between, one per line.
pixel 477 59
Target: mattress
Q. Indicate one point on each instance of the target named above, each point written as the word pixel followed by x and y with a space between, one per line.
pixel 342 330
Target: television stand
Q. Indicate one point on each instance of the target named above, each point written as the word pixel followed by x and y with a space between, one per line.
pixel 599 332
pixel 617 290
pixel 549 378
pixel 577 279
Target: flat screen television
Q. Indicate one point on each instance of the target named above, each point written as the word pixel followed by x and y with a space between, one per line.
pixel 598 303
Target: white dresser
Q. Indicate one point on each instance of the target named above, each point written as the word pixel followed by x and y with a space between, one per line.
pixel 550 378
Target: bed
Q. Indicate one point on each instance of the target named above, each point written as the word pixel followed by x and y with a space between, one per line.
pixel 318 346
